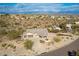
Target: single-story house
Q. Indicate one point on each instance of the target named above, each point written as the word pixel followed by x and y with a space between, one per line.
pixel 53 17
pixel 77 23
pixel 56 27
pixel 68 27
pixel 34 33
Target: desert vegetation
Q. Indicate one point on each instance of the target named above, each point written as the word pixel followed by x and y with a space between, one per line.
pixel 6 45
pixel 12 26
pixel 13 34
pixel 77 53
pixel 57 39
pixel 28 44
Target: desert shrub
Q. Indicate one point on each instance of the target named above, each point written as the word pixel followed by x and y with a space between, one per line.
pixel 5 55
pixel 3 32
pixel 77 53
pixel 13 34
pixel 0 41
pixel 63 27
pixel 34 26
pixel 75 28
pixel 57 39
pixel 28 44
pixel 67 37
pixel 12 46
pixel 4 44
pixel 3 23
pixel 55 31
pixel 9 45
pixel 49 29
pixel 75 32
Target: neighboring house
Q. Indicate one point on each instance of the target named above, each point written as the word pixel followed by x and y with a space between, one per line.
pixel 68 27
pixel 53 17
pixel 56 27
pixel 59 18
pixel 35 33
pixel 77 23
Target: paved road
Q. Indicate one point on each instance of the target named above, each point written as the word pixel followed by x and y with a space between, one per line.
pixel 63 51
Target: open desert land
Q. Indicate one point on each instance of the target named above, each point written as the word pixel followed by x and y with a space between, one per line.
pixel 24 34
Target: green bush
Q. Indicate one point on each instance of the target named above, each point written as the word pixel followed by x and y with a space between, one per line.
pixel 28 44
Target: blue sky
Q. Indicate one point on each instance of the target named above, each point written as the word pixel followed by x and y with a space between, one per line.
pixel 38 8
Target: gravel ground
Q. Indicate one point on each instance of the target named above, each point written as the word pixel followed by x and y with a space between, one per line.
pixel 63 51
pixel 38 47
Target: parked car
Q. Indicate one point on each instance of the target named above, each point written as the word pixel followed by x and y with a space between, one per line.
pixel 72 53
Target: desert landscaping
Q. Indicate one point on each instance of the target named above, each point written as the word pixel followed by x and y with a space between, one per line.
pixel 30 35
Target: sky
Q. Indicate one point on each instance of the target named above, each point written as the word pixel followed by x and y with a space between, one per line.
pixel 39 8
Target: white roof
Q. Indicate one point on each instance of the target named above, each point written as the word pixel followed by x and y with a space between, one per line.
pixel 68 25
pixel 56 27
pixel 76 22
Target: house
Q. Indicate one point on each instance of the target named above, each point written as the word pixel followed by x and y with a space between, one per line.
pixel 77 23
pixel 68 27
pixel 56 27
pixel 53 17
pixel 35 33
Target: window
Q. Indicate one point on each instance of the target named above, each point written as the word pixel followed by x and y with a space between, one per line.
pixel 25 36
pixel 30 35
